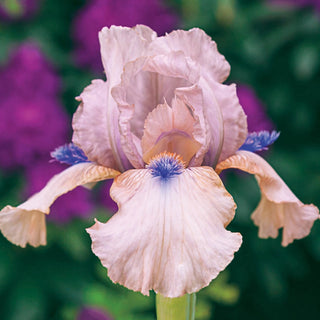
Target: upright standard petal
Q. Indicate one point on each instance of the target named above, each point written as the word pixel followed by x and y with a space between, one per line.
pixel 176 242
pixel 194 98
pixel 96 129
pixel 214 70
pixel 279 207
pixel 234 119
pixel 120 45
pixel 212 114
pixel 96 122
pixel 197 45
pixel 26 223
pixel 170 129
pixel 146 83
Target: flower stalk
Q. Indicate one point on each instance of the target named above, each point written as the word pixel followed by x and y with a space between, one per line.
pixel 182 308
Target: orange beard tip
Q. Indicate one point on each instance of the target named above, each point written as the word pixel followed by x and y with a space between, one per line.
pixel 166 154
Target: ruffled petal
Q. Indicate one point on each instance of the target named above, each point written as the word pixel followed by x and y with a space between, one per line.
pixel 209 131
pixel 199 94
pixel 168 235
pixel 170 129
pixel 26 223
pixel 226 120
pixel 279 207
pixel 221 102
pixel 120 45
pixel 96 129
pixel 175 65
pixel 197 45
pixel 146 83
pixel 95 124
pixel 23 226
pixel 234 119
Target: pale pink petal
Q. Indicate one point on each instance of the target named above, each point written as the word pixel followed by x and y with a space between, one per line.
pixel 95 126
pixel 120 45
pixel 196 94
pixel 146 83
pixel 170 129
pixel 221 102
pixel 145 32
pixel 130 139
pixel 234 119
pixel 183 117
pixel 26 223
pixel 197 45
pixel 168 236
pixel 279 207
pixel 295 218
pixel 210 130
pixel 23 226
pixel 175 65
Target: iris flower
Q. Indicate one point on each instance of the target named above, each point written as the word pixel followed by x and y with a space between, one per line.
pixel 163 126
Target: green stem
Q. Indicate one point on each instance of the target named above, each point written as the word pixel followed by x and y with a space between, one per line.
pixel 182 308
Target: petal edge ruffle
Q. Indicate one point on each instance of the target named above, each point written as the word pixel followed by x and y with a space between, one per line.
pixel 26 223
pixel 92 126
pixel 176 243
pixel 279 207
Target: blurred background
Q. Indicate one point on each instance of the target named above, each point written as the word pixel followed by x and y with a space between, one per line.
pixel 49 52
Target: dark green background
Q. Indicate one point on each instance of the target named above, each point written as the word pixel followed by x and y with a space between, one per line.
pixel 275 51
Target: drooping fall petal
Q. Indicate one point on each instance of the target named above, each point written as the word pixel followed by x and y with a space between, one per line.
pixel 26 223
pixel 22 226
pixel 176 241
pixel 279 207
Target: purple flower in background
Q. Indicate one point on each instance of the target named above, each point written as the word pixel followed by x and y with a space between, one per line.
pixel 28 74
pixel 256 116
pixel 99 13
pixel 18 9
pixel 33 124
pixel 29 129
pixel 105 199
pixel 92 314
pixel 68 206
pixel 33 121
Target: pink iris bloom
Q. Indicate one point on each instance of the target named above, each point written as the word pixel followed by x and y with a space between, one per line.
pixel 163 126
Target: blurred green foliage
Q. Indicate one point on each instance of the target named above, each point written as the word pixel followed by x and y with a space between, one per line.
pixel 274 50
